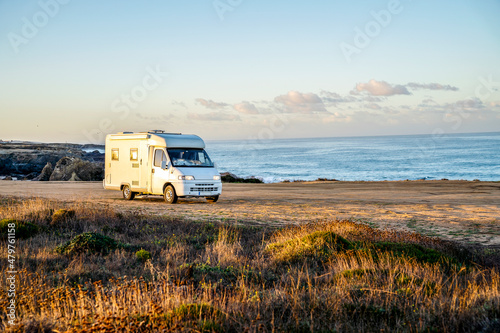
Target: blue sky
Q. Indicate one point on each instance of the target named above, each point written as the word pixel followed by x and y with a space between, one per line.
pixel 73 71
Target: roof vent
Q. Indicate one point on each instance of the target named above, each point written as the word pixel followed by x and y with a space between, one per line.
pixel 162 132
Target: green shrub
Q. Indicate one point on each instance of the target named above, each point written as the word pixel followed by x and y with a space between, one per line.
pixel 89 242
pixel 23 229
pixel 143 255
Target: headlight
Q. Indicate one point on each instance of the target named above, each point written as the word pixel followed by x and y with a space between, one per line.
pixel 216 177
pixel 186 177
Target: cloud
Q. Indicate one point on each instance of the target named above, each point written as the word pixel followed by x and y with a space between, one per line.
pixel 373 106
pixel 333 98
pixel 246 108
pixel 179 103
pixel 473 103
pixel 297 102
pixel 431 86
pixel 369 98
pixel 495 104
pixel 209 104
pixel 336 118
pixel 380 88
pixel 428 102
pixel 159 118
pixel 213 116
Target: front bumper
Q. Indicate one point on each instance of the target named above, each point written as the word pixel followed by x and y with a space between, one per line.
pixel 198 188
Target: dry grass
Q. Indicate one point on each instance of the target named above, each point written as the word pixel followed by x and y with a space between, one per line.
pixel 203 276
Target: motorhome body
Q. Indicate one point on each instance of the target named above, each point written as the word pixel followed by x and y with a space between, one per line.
pixel 169 164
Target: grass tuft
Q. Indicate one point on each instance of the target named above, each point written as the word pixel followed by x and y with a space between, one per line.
pixel 318 245
pixel 413 251
pixel 61 216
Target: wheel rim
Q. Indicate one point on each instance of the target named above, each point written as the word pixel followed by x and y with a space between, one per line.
pixel 169 194
pixel 126 191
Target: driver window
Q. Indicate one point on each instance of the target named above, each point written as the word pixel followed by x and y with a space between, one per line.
pixel 159 157
pixel 201 157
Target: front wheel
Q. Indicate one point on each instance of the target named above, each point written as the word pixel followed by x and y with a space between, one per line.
pixel 169 195
pixel 127 193
pixel 213 199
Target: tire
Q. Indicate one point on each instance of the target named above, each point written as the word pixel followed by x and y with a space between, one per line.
pixel 127 193
pixel 213 199
pixel 169 195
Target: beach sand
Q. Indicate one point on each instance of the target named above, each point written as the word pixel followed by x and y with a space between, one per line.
pixel 460 210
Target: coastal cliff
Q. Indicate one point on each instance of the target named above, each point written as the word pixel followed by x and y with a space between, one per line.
pixel 51 161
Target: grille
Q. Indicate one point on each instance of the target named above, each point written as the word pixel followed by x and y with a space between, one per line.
pixel 203 185
pixel 203 189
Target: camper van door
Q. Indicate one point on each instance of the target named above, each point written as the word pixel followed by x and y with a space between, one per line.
pixel 159 176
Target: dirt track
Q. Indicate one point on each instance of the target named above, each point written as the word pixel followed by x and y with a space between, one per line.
pixel 466 211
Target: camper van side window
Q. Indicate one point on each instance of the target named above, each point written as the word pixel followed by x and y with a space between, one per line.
pixel 134 154
pixel 114 154
pixel 159 156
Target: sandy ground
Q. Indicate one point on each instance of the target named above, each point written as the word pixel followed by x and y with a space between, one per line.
pixel 460 210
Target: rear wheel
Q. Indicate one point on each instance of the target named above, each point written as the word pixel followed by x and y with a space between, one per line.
pixel 127 193
pixel 169 195
pixel 213 199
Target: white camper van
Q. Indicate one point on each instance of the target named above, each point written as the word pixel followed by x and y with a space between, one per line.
pixel 170 164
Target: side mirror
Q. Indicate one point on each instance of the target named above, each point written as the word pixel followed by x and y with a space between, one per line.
pixel 163 165
pixel 169 165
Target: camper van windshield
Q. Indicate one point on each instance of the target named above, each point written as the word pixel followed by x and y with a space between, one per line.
pixel 189 157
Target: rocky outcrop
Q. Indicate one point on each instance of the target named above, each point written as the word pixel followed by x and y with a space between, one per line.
pixel 228 177
pixel 46 172
pixel 75 169
pixel 27 160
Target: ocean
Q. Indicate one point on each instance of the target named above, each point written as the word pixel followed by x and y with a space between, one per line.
pixel 449 156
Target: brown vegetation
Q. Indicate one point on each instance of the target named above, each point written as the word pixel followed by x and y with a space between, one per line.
pixel 213 277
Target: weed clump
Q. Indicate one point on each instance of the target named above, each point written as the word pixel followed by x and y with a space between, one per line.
pixel 43 215
pixel 204 317
pixel 62 215
pixel 143 255
pixel 89 242
pixel 22 229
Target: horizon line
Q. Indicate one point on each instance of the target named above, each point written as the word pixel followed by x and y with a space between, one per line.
pixel 274 139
